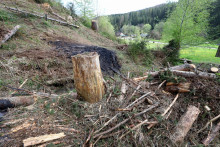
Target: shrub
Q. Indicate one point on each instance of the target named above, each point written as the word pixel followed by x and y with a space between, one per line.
pixel 139 49
pixel 106 28
pixel 172 52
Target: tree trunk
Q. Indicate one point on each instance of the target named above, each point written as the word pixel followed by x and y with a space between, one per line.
pixel 185 124
pixel 88 76
pixel 218 52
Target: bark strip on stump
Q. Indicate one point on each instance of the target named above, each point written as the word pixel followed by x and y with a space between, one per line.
pixel 88 76
pixel 185 124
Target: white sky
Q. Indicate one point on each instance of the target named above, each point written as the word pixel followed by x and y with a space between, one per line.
pixel 106 7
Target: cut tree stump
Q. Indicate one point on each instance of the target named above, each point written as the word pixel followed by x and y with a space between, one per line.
pixel 94 25
pixel 88 78
pixel 185 124
pixel 12 102
pixel 213 70
pixel 10 34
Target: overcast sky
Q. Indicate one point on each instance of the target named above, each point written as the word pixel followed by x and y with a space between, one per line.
pixel 106 7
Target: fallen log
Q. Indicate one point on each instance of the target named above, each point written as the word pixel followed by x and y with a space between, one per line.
pixel 212 135
pixel 183 67
pixel 88 78
pixel 41 139
pixel 185 124
pixel 40 16
pixel 12 102
pixel 185 74
pixel 10 34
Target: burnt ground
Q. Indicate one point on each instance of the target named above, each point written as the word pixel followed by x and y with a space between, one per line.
pixel 108 59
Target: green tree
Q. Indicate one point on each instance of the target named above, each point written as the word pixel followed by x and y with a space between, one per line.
pixel 131 30
pixel 85 8
pixel 105 27
pixel 188 22
pixel 146 28
pixel 159 27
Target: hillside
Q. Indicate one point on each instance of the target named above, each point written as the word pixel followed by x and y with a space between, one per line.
pixel 150 16
pixel 142 105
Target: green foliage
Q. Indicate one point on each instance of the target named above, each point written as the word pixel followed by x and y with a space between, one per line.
pixel 146 28
pixel 6 16
pixel 150 16
pixel 85 8
pixel 86 22
pixel 138 49
pixel 106 28
pixel 8 46
pixel 171 52
pixel 188 23
pixel 169 77
pixel 131 30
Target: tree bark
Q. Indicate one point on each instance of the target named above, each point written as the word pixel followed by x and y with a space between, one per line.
pixel 185 124
pixel 94 25
pixel 184 67
pixel 88 76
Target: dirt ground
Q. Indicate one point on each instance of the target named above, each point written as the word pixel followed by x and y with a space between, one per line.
pixel 35 59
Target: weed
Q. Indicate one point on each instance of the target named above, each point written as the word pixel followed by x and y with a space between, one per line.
pixel 8 46
pixel 5 16
pixel 139 49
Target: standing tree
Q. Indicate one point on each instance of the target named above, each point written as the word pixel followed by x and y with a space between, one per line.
pixel 146 28
pixel 187 23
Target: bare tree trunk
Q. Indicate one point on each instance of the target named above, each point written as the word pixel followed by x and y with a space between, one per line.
pixel 88 76
pixel 218 52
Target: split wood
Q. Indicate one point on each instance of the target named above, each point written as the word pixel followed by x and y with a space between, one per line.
pixel 126 120
pixel 42 139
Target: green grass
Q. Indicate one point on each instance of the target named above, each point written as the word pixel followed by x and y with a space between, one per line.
pixel 199 54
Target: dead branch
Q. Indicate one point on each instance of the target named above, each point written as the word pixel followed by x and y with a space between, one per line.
pixel 20 86
pixel 126 120
pixel 173 102
pixel 10 34
pixel 185 124
pixel 212 136
pixel 207 124
pixel 41 139
pixel 123 90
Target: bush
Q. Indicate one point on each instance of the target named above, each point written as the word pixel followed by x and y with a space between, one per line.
pixel 138 49
pixel 172 52
pixel 106 28
pixel 86 22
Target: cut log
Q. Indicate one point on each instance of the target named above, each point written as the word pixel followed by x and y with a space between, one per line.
pixel 185 74
pixel 42 139
pixel 184 67
pixel 213 70
pixel 177 88
pixel 212 135
pixel 12 102
pixel 185 124
pixel 10 34
pixel 88 78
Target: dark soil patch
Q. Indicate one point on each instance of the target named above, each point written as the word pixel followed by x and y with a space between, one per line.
pixel 108 59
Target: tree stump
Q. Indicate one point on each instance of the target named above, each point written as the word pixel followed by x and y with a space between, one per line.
pixel 94 25
pixel 88 78
pixel 218 52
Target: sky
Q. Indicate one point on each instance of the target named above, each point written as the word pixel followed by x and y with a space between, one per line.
pixel 106 7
